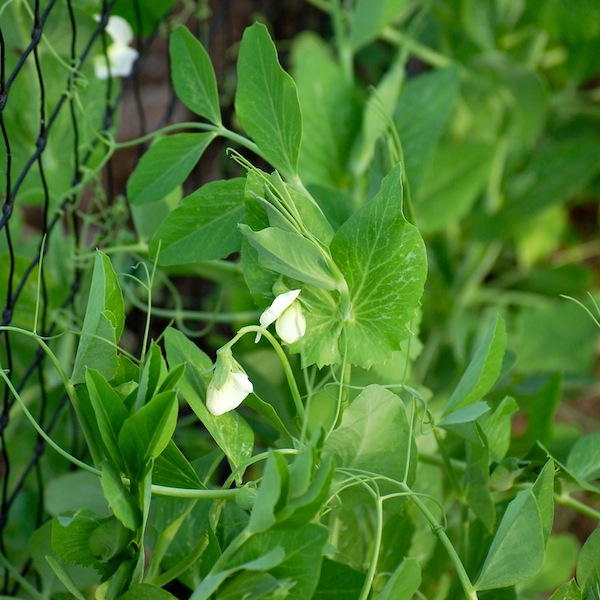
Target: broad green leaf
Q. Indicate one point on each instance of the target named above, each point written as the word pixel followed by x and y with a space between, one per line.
pixel 259 586
pixel 371 17
pixel 330 113
pixel 477 480
pixel 545 403
pixel 456 177
pixel 403 583
pixel 553 337
pixel 193 75
pixel 375 436
pixel 588 566
pixel 567 591
pixel 301 560
pixel 74 491
pixel 165 165
pixel 146 434
pixel 517 550
pixel 425 105
pixel 110 413
pixel 145 591
pixel 338 579
pixel 109 539
pixel 266 101
pixel 230 431
pixel 147 218
pixel 269 413
pixel 120 499
pixel 102 325
pixel 554 174
pixel 204 227
pixel 584 457
pixel 70 538
pixel 483 370
pixel 382 258
pixel 292 255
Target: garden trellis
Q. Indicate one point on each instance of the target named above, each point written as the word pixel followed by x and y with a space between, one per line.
pixel 59 208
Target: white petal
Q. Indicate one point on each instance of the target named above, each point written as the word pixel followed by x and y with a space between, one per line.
pixel 277 307
pixel 291 324
pixel 121 59
pixel 119 30
pixel 237 386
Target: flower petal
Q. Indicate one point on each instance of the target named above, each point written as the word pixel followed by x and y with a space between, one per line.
pixel 277 307
pixel 119 30
pixel 291 324
pixel 235 389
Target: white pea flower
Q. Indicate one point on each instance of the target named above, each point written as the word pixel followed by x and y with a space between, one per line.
pixel 286 312
pixel 228 388
pixel 120 56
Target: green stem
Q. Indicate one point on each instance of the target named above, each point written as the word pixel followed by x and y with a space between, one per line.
pixel 580 507
pixel 378 534
pixel 439 531
pixel 252 460
pixel 426 54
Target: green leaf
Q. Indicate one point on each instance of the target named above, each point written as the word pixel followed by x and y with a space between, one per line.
pixel 477 480
pixel 425 105
pixel 146 434
pixel 375 436
pixel 272 494
pixel 330 113
pixel 70 538
pixel 403 583
pixel 204 227
pixel 517 550
pixel 148 218
pixel 290 254
pixel 584 457
pixel 377 115
pixel 171 468
pixel 153 370
pixel 165 165
pixel 230 431
pixel 193 75
pixel 102 325
pixel 109 539
pixel 567 591
pixel 338 580
pixel 74 491
pixel 371 17
pixel 555 174
pixel 120 500
pixel 266 101
pixel 110 413
pixel 382 258
pixel 497 428
pixel 588 566
pixel 483 370
pixel 543 490
pixel 456 177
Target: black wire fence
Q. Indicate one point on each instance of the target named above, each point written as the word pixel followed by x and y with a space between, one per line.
pixel 54 114
pixel 61 190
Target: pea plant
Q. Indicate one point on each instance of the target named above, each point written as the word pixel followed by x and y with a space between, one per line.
pixel 301 451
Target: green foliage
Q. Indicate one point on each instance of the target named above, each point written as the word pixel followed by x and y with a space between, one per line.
pixel 391 425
